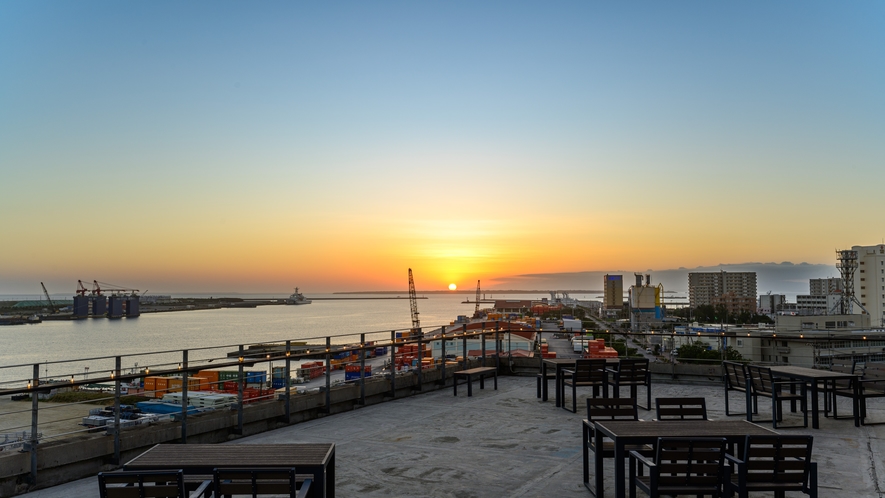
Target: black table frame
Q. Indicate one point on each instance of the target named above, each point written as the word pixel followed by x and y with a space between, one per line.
pixel 163 457
pixel 560 364
pixel 811 377
pixel 734 431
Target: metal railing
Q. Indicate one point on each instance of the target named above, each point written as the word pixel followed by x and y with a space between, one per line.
pixel 404 352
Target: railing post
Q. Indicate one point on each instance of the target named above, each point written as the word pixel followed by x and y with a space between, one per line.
pixel 464 346
pixel 117 393
pixel 420 359
pixel 288 376
pixel 497 351
pixel 184 403
pixel 442 357
pixel 240 386
pixel 483 344
pixel 34 408
pixel 393 364
pixel 509 344
pixel 328 375
pixel 363 369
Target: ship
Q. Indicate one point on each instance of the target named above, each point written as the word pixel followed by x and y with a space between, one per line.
pixel 298 298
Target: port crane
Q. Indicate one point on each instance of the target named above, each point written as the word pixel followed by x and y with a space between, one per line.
pixel 97 289
pixel 413 301
pixel 51 304
pixel 476 311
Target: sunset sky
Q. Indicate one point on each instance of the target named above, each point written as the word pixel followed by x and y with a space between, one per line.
pixel 253 147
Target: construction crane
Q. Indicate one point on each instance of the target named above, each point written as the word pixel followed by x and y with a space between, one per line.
pixel 476 311
pixel 46 293
pixel 413 301
pixel 97 289
pixel 81 289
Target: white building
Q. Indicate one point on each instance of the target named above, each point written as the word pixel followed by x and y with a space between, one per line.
pixel 770 303
pixel 825 286
pixel 869 281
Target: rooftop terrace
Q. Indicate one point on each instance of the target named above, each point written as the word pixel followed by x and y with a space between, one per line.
pixel 509 443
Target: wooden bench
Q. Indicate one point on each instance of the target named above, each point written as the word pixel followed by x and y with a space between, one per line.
pixel 481 372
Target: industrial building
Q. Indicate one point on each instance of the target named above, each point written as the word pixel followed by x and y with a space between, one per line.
pixel 734 290
pixel 645 303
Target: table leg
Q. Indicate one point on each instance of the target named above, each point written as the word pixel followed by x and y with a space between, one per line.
pixel 620 489
pixel 814 406
pixel 496 380
pixel 543 381
pixel 330 472
pixel 469 386
pixel 600 479
pixel 482 381
pixel 558 382
pixel 454 383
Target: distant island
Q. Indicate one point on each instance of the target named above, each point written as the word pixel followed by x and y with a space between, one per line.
pixel 473 291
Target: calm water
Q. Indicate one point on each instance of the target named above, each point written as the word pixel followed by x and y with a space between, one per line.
pixel 68 340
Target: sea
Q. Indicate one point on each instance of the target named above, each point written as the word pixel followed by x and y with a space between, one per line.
pixel 82 347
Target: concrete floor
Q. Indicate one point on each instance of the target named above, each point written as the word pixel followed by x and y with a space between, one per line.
pixel 509 443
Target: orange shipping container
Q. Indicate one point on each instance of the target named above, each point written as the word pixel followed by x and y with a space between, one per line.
pixel 211 376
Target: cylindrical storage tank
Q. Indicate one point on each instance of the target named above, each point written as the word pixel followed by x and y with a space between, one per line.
pixel 99 305
pixel 81 306
pixel 115 307
pixel 132 306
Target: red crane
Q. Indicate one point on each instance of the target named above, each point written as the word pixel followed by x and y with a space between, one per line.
pixel 81 289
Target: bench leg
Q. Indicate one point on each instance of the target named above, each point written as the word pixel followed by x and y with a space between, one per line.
pixel 496 380
pixel 455 383
pixel 481 381
pixel 469 386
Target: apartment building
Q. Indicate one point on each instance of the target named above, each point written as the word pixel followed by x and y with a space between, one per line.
pixel 735 290
pixel 613 296
pixel 869 281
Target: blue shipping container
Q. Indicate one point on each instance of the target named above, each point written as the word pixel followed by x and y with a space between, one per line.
pixel 163 408
pixel 256 377
pixel 279 383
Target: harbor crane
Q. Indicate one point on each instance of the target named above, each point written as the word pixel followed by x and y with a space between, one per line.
pixel 476 311
pixel 97 289
pixel 81 289
pixel 51 304
pixel 413 301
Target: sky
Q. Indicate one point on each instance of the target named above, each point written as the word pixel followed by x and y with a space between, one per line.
pixel 242 147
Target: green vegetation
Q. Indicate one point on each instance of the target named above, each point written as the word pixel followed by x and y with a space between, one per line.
pixel 718 314
pixel 697 352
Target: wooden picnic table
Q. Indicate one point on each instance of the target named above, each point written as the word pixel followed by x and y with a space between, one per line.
pixel 317 459
pixel 637 432
pixel 811 377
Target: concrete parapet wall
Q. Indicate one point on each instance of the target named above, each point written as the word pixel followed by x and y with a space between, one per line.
pixel 86 455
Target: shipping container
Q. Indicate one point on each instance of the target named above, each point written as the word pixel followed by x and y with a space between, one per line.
pixel 163 408
pixel 211 376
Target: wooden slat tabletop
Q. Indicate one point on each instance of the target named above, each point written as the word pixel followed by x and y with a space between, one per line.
pixel 810 373
pixel 195 457
pixel 681 428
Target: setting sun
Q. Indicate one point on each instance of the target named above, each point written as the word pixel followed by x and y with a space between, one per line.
pixel 452 286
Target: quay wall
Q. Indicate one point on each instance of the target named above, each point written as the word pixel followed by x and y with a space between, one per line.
pixel 86 455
